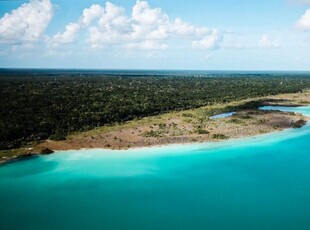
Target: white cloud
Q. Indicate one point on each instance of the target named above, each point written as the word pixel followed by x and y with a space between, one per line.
pixel 304 22
pixel 26 23
pixel 95 11
pixel 265 42
pixel 145 28
pixel 147 45
pixel 113 26
pixel 148 23
pixel 72 29
pixel 68 36
pixel 182 29
pixel 210 42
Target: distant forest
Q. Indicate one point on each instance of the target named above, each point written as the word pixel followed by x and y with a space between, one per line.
pixel 37 107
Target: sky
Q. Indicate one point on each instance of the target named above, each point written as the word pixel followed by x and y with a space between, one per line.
pixel 156 34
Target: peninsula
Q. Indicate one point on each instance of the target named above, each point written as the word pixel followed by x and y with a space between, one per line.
pixel 187 126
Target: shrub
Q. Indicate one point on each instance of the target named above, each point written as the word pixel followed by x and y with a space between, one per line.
pixel 201 131
pixel 46 151
pixel 219 136
pixel 57 137
pixel 299 124
pixel 151 133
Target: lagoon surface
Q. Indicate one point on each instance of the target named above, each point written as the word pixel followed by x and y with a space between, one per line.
pixel 223 115
pixel 261 182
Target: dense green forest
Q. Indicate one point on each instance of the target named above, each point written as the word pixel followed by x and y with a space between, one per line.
pixel 36 107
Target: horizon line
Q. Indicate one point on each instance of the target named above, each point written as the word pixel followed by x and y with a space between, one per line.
pixel 136 69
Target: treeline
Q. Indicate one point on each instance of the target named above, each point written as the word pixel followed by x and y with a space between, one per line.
pixel 39 107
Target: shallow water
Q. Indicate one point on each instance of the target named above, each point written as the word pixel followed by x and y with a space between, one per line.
pixel 223 115
pixel 261 182
pixel 302 109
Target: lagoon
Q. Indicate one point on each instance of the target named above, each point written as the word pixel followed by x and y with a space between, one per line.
pixel 261 182
pixel 223 115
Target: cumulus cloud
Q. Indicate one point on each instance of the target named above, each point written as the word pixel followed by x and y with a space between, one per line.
pixel 265 42
pixel 144 28
pixel 26 23
pixel 95 11
pixel 304 22
pixel 210 42
pixel 68 36
pixel 72 29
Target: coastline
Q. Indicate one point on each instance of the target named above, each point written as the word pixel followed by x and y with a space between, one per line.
pixel 180 148
pixel 227 142
pixel 246 123
pixel 154 146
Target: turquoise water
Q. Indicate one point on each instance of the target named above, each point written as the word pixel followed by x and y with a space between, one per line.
pixel 253 183
pixel 302 109
pixel 223 115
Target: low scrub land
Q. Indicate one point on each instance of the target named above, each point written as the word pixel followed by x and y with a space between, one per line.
pixel 40 106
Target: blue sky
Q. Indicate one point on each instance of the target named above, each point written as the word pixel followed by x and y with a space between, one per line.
pixel 156 34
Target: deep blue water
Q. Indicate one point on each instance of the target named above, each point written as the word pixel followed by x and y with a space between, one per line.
pixel 136 72
pixel 254 183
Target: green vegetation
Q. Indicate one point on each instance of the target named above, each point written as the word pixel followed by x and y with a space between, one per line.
pixel 34 108
pixel 235 121
pixel 152 133
pixel 299 123
pixel 164 129
pixel 220 136
pixel 47 151
pixel 201 131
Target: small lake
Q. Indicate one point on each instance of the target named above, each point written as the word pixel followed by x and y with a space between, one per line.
pixel 223 115
pixel 255 183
